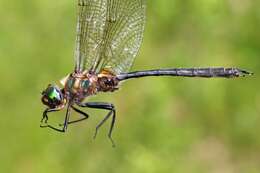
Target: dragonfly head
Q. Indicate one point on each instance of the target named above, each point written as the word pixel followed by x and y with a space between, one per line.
pixel 52 96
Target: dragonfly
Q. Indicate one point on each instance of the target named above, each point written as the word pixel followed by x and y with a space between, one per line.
pixel 108 36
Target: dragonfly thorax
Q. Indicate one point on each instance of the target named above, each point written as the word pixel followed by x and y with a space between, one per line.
pixel 80 85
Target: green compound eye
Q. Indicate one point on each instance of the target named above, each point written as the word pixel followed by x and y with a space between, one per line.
pixel 52 96
pixel 53 93
pixel 85 84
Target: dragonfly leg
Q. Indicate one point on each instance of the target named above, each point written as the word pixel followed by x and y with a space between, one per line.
pixel 54 128
pixel 78 120
pixel 46 111
pixel 112 112
pixel 65 124
pixel 45 117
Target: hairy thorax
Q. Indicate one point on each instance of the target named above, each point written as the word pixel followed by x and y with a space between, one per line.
pixel 82 85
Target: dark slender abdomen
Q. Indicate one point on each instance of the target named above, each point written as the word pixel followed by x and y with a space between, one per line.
pixel 187 72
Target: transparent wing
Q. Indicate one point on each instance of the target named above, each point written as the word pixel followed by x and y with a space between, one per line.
pixel 109 34
pixel 122 36
pixel 90 28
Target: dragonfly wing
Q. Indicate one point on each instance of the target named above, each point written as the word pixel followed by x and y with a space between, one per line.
pixel 123 35
pixel 109 34
pixel 90 30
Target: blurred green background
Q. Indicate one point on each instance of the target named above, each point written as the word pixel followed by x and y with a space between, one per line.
pixel 164 124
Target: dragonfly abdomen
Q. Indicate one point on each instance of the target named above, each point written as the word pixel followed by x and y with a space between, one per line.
pixel 187 72
pixel 107 83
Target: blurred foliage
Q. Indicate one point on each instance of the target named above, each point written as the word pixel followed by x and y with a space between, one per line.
pixel 165 124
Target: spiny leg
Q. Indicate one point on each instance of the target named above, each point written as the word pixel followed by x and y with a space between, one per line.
pixel 81 113
pixel 46 111
pixel 65 126
pixel 103 121
pixel 106 106
pixel 54 128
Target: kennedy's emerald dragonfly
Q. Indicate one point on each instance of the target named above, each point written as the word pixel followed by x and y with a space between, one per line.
pixel 109 34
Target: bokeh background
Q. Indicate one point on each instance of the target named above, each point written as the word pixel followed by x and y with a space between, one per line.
pixel 164 124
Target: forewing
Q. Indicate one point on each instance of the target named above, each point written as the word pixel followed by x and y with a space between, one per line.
pixel 90 30
pixel 109 34
pixel 122 35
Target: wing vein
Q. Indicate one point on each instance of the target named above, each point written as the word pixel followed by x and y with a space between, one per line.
pixel 109 34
